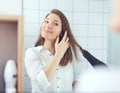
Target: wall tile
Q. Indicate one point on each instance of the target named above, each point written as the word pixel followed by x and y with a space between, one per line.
pixel 82 41
pixel 95 30
pixel 64 5
pixel 95 42
pixel 80 5
pixel 96 18
pixel 47 4
pixel 107 6
pixel 106 18
pixel 96 6
pixel 80 18
pixel 80 30
pixel 31 29
pixel 29 4
pixel 31 16
pixel 106 31
pixel 29 41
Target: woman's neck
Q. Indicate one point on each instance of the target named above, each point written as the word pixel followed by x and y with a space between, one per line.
pixel 49 46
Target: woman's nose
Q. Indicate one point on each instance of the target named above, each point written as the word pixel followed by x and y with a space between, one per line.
pixel 50 25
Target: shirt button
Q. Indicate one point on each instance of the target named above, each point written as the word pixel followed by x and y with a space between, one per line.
pixel 58 77
pixel 57 86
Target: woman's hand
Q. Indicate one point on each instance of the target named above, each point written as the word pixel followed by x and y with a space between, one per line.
pixel 62 46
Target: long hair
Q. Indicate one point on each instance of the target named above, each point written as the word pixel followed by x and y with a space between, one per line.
pixel 73 49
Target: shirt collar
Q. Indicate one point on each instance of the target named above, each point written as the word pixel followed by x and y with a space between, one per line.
pixel 40 48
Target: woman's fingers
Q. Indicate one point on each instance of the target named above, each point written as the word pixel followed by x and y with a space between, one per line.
pixel 67 40
pixel 61 47
pixel 57 40
pixel 65 36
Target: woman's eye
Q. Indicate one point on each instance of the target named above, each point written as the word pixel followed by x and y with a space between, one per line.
pixel 56 24
pixel 46 21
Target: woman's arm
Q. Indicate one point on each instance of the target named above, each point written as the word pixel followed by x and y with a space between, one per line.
pixel 60 49
pixel 34 68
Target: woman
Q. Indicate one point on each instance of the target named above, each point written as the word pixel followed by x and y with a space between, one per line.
pixel 115 19
pixel 50 64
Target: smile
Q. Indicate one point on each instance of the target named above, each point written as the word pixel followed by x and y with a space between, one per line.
pixel 47 31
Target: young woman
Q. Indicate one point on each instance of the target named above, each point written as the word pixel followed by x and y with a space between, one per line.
pixel 56 59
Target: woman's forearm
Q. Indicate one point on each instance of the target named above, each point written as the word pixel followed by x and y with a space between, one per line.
pixel 51 68
pixel 60 49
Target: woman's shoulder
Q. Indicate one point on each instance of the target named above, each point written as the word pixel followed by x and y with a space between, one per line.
pixel 34 49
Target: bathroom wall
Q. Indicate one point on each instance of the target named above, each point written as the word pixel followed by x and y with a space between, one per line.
pixel 88 20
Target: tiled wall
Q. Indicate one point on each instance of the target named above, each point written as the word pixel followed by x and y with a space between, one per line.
pixel 88 20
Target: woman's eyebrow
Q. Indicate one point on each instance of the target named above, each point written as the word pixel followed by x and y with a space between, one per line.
pixel 53 20
pixel 56 20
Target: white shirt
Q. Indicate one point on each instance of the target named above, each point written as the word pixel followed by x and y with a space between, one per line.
pixel 36 60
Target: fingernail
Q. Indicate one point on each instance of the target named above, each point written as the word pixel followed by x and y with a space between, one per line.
pixel 65 31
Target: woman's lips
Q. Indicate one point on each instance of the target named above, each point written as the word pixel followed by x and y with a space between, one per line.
pixel 48 31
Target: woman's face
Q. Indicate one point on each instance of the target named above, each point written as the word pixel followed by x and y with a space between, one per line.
pixel 51 27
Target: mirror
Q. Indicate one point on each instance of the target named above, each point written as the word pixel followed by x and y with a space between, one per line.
pixel 88 20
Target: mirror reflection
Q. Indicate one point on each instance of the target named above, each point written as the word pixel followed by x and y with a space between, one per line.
pixel 89 22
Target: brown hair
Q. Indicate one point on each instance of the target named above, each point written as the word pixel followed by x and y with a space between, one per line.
pixel 68 56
